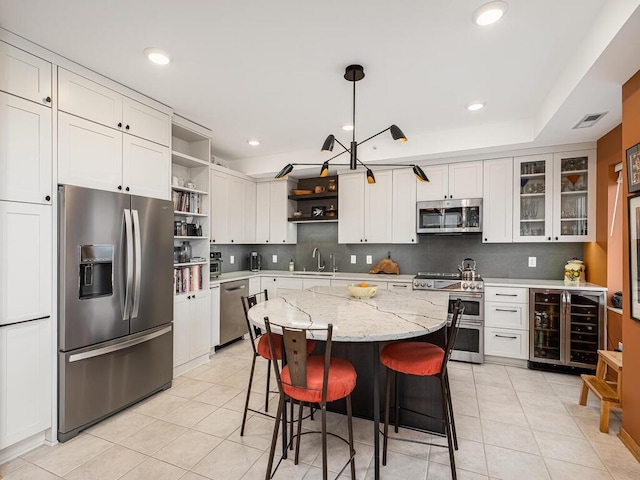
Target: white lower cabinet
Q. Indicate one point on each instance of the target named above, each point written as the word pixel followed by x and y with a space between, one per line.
pixel 215 315
pixel 272 284
pixel 25 227
pixel 315 282
pixel 25 380
pixel 191 327
pixel 506 332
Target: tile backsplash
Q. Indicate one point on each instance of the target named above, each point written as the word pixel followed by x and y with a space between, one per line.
pixel 432 253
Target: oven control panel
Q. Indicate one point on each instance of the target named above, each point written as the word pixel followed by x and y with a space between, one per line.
pixel 447 285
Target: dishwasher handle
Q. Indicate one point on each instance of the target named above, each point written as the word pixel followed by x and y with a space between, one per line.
pixel 234 289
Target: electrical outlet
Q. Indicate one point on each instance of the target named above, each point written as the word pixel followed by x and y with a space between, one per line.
pixel 532 261
pixel 369 259
pixel 274 258
pixel 232 259
pixel 353 259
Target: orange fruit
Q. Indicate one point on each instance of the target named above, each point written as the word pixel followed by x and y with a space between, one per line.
pixel 363 285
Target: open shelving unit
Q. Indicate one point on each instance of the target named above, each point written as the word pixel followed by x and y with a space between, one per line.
pixel 309 202
pixel 190 165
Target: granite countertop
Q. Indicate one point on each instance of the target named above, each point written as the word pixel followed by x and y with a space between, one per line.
pixel 244 274
pixel 532 283
pixel 389 315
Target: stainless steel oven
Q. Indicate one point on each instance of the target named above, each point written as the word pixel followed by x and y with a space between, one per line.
pixel 469 346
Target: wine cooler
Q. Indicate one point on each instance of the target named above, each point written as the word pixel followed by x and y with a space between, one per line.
pixel 567 327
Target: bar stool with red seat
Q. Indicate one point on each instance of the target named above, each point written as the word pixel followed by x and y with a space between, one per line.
pixel 425 360
pixel 260 346
pixel 316 379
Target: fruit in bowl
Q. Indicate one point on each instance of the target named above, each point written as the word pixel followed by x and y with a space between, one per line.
pixel 362 290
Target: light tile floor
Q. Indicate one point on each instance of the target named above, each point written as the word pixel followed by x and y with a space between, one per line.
pixel 512 423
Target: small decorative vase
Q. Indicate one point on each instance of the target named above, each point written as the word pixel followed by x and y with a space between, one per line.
pixel 332 187
pixel 574 272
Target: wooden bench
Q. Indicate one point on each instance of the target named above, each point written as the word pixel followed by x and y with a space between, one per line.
pixel 609 393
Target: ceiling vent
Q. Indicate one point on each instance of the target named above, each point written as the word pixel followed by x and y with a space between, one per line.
pixel 589 120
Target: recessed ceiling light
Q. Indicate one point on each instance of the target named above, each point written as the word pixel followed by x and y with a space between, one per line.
pixel 157 55
pixel 347 127
pixel 473 106
pixel 253 143
pixel 490 13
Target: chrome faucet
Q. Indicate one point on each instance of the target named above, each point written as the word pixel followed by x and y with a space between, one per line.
pixel 320 262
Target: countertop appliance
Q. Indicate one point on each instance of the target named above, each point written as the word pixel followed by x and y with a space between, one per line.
pixel 450 216
pixel 233 324
pixel 255 262
pixel 567 327
pixel 215 263
pixel 469 345
pixel 115 334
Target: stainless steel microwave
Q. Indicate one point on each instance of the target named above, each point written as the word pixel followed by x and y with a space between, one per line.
pixel 450 216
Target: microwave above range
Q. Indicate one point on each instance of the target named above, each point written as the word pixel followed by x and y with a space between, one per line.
pixel 450 216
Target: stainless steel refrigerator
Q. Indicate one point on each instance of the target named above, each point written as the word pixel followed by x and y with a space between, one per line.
pixel 115 334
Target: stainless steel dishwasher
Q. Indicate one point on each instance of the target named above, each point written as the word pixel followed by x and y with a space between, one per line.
pixel 232 321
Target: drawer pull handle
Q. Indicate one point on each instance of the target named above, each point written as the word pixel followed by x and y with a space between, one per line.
pixel 505 310
pixel 399 286
pixel 506 294
pixel 506 336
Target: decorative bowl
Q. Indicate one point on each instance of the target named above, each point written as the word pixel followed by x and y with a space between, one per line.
pixel 362 292
pixel 301 192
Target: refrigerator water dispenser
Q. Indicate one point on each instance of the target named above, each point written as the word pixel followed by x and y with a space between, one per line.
pixel 96 271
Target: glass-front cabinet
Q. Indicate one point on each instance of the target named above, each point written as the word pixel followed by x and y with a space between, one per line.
pixel 554 197
pixel 567 327
pixel 574 191
pixel 533 203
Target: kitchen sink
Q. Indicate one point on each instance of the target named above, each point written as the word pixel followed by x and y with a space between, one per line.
pixel 314 274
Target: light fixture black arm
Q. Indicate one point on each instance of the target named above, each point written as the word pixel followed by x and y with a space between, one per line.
pixel 374 136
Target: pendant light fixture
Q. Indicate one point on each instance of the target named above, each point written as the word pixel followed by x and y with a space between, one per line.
pixel 355 73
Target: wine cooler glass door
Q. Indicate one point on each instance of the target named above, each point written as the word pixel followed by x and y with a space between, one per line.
pixel 584 329
pixel 547 334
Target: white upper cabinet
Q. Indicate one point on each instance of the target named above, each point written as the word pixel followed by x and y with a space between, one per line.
pixel 404 206
pixel 89 154
pixel 87 99
pixel 25 75
pixel 25 280
pixel 497 201
pixel 262 212
pixel 233 206
pixel 25 150
pixel 146 168
pixel 554 197
pixel 273 209
pixel 366 210
pixel 455 180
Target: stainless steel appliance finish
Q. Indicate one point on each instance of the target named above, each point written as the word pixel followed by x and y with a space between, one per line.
pixel 469 345
pixel 567 327
pixel 232 322
pixel 115 287
pixel 215 263
pixel 450 216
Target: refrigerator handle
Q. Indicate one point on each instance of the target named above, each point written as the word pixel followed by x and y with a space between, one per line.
pixel 129 270
pixel 138 260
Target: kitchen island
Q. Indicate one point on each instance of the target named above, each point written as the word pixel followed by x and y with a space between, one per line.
pixel 361 326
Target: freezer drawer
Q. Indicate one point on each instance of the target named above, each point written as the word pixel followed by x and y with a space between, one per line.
pixel 98 381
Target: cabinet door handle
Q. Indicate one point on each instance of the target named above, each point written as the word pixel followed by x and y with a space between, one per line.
pixel 48 198
pixel 556 239
pixel 399 285
pixel 127 127
pixel 506 336
pixel 119 187
pixel 506 294
pixel 127 189
pixel 119 124
pixel 47 100
pixel 505 310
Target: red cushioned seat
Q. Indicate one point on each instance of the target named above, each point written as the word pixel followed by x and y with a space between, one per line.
pixel 265 352
pixel 413 358
pixel 342 380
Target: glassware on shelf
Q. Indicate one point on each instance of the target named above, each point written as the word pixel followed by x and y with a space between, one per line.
pixel 187 252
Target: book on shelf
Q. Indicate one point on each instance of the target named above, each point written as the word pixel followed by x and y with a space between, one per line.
pixel 188 202
pixel 188 279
